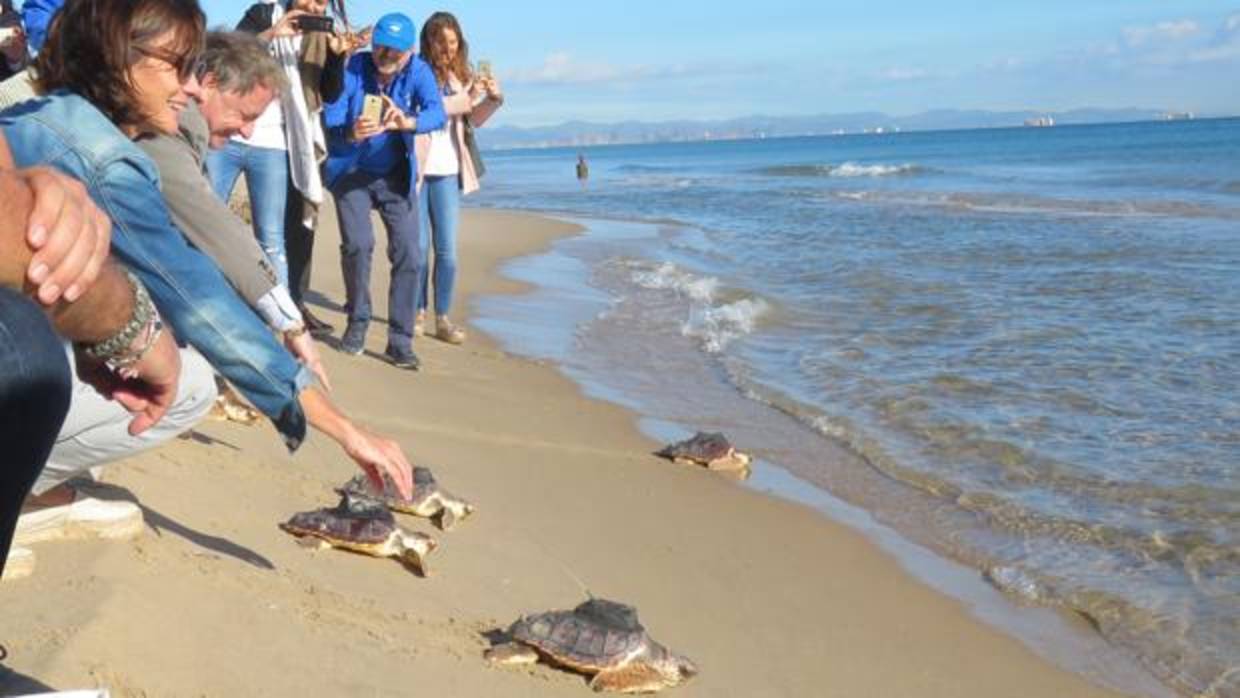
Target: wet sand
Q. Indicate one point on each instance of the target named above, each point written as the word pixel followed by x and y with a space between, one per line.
pixel 770 598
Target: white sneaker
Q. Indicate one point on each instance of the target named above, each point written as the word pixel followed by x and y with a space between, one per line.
pixel 19 565
pixel 86 517
pixel 91 693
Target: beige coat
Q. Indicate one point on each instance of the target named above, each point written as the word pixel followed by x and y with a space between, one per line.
pixel 458 106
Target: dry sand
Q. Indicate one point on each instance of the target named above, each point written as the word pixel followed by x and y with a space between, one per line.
pixel 768 597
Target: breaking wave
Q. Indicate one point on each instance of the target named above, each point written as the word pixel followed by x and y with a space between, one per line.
pixel 714 319
pixel 847 169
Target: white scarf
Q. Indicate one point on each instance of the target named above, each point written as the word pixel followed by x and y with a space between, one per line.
pixel 303 132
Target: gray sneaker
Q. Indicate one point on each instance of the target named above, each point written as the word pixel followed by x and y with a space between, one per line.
pixel 354 340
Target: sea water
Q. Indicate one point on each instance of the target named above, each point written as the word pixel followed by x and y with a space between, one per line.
pixel 1019 347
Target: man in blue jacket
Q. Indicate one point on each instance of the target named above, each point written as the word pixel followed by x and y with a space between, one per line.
pixel 371 164
pixel 37 16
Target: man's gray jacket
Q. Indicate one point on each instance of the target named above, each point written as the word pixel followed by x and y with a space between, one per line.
pixel 210 225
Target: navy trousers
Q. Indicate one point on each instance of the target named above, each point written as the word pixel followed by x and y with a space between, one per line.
pixel 35 385
pixel 357 194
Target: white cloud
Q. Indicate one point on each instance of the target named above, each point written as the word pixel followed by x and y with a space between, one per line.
pixel 1172 44
pixel 1224 46
pixel 1160 33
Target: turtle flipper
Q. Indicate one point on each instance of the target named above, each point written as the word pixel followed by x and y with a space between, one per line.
pixel 633 678
pixel 414 549
pixel 511 653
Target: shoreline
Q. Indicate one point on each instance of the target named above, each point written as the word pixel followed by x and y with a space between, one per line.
pixel 769 597
pixel 1065 638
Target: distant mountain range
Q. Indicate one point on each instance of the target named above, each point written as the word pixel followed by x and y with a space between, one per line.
pixel 582 133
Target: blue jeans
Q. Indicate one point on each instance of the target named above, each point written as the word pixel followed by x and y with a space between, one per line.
pixel 34 398
pixel 266 178
pixel 439 211
pixel 357 193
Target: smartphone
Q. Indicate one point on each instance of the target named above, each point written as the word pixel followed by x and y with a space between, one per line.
pixel 316 23
pixel 372 108
pixel 484 68
pixel 7 33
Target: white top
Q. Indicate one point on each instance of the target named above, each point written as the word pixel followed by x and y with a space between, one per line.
pixel 442 159
pixel 269 129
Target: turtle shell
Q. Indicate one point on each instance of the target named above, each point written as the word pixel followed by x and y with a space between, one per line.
pixel 597 635
pixel 424 485
pixel 702 448
pixel 356 519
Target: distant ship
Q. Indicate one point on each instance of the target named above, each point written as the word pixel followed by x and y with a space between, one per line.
pixel 1178 116
pixel 1040 121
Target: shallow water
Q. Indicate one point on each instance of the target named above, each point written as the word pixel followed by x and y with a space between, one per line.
pixel 1015 346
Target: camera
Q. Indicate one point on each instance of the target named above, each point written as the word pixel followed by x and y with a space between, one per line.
pixel 316 23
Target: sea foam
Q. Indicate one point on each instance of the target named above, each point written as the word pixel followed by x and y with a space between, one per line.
pixel 715 323
pixel 847 169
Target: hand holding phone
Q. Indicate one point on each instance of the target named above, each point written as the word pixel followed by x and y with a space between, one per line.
pixel 315 23
pixel 370 122
pixel 484 69
pixel 395 118
pixel 372 108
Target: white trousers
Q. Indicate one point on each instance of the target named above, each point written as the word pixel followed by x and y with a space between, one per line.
pixel 96 431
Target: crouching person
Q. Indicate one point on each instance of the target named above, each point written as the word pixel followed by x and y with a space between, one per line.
pixel 113 71
pixel 54 246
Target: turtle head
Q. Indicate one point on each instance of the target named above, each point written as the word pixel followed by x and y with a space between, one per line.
pixel 677 668
pixel 416 548
pixel 453 512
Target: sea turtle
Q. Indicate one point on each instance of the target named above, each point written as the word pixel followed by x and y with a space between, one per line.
pixel 229 407
pixel 428 500
pixel 363 525
pixel 712 450
pixel 600 638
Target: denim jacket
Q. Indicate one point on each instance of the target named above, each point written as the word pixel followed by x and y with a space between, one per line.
pixel 68 133
pixel 414 90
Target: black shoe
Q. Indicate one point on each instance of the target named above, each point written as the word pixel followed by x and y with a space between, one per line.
pixel 402 358
pixel 318 329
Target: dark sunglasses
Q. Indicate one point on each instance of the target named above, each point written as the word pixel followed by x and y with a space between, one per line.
pixel 187 66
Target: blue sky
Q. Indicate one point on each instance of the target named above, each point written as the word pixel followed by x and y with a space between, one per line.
pixel 671 59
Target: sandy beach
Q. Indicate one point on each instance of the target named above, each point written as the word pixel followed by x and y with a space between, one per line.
pixel 769 598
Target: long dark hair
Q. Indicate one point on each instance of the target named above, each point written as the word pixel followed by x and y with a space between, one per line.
pixel 432 50
pixel 93 45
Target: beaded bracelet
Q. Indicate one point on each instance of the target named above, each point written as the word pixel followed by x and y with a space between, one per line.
pixel 123 366
pixel 119 343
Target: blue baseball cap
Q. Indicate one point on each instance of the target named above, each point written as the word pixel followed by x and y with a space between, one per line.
pixel 395 31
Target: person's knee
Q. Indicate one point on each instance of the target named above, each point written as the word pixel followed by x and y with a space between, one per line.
pixel 353 248
pixel 196 391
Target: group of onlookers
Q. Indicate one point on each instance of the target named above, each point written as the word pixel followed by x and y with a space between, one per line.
pixel 126 282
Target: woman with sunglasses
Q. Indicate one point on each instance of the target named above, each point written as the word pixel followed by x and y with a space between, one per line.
pixel 117 70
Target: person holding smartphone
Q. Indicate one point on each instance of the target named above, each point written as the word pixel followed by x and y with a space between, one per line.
pixel 447 170
pixel 12 41
pixel 372 165
pixel 281 158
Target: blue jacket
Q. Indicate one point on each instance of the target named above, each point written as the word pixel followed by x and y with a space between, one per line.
pixel 414 90
pixel 37 16
pixel 68 133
